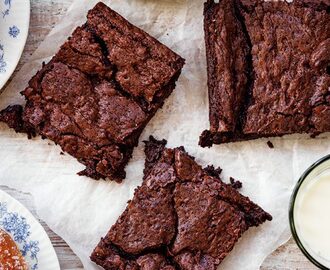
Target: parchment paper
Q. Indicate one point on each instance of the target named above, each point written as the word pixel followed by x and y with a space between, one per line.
pixel 82 210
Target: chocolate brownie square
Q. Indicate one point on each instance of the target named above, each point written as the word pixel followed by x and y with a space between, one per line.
pixel 181 217
pixel 268 68
pixel 98 92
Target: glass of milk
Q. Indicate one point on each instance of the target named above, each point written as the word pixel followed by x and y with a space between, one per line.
pixel 309 213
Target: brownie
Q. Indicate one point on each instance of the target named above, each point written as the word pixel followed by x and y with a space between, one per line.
pixel 181 217
pixel 98 92
pixel 268 69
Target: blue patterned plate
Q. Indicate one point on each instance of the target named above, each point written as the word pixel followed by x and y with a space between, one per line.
pixel 28 234
pixel 14 27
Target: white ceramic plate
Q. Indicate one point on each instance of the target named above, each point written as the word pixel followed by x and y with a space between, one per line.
pixel 14 28
pixel 29 235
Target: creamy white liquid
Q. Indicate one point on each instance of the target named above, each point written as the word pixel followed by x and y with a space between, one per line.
pixel 312 216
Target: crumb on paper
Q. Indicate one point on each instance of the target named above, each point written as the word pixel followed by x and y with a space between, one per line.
pixel 235 183
pixel 270 144
pixel 215 172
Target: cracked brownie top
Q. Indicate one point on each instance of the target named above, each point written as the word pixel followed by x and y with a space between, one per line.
pixel 268 68
pixel 98 92
pixel 181 217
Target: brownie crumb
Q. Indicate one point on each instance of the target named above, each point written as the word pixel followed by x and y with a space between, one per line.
pixel 314 135
pixel 215 172
pixel 270 144
pixel 235 183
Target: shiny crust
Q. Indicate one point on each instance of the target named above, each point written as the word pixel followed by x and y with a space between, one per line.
pixel 98 92
pixel 287 88
pixel 183 215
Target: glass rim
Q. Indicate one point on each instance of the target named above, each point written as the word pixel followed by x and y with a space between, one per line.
pixel 291 212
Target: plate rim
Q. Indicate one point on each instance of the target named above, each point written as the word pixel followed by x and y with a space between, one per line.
pixel 292 205
pixel 26 213
pixel 12 70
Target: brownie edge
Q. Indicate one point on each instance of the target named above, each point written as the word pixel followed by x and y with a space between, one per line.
pixel 227 50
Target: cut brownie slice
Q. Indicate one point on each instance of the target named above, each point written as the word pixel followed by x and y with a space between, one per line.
pixel 268 68
pixel 98 92
pixel 181 217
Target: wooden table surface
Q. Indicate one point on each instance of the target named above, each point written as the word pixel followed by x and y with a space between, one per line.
pixel 44 15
